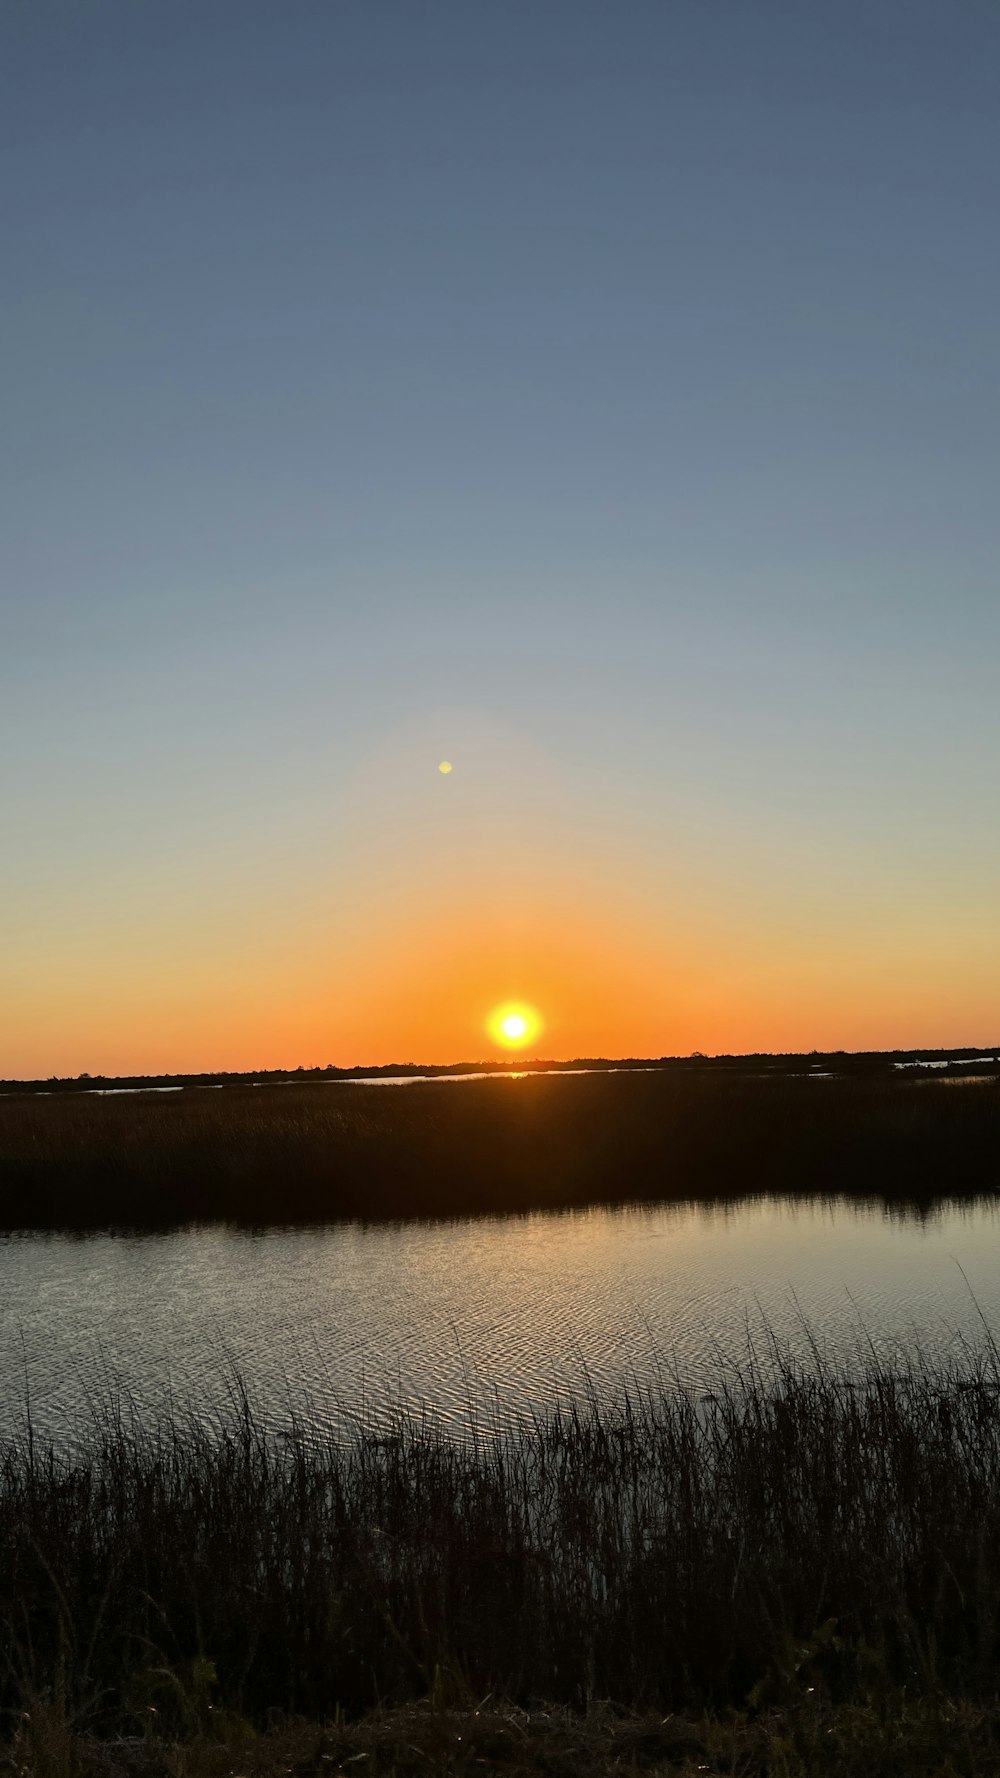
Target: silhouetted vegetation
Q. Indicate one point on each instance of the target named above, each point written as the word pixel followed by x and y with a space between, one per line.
pixel 788 1541
pixel 899 1736
pixel 853 1062
pixel 317 1152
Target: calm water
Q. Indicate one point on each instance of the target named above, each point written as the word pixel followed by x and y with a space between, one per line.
pixel 476 1318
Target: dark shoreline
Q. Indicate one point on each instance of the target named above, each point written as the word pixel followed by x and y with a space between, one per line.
pixel 851 1063
pixel 309 1155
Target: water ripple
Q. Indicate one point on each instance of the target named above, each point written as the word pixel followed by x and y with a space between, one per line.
pixel 484 1320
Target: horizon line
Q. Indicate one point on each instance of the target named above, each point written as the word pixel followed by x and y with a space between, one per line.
pixel 510 1064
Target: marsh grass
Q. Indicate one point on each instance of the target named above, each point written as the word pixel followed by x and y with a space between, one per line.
pixel 919 1738
pixel 317 1152
pixel 790 1540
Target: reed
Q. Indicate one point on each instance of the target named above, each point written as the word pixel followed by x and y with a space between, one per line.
pixel 789 1537
pixel 313 1153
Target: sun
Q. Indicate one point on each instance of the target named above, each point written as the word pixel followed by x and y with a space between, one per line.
pixel 514 1025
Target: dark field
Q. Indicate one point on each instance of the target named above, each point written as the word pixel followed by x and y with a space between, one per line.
pixel 317 1152
pixel 795 1577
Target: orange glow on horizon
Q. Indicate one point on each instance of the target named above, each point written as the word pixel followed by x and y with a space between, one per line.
pixel 407 948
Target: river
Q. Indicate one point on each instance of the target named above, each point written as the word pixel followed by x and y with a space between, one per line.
pixel 481 1320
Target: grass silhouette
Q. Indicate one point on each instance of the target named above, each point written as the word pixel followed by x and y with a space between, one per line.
pixel 318 1152
pixel 788 1537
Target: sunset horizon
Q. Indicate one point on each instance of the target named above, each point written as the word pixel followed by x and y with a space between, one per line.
pixel 497 515
pixel 499 888
pixel 512 1059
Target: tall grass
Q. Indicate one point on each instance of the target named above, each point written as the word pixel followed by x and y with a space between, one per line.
pixel 788 1532
pixel 318 1152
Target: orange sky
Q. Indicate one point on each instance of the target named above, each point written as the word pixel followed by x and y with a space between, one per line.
pixel 392 939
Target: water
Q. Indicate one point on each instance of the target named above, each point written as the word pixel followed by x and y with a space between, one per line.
pixel 397 1080
pixel 478 1319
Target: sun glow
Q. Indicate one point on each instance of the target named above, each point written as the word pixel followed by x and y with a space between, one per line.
pixel 514 1025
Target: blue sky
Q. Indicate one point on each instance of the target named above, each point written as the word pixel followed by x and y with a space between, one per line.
pixel 619 382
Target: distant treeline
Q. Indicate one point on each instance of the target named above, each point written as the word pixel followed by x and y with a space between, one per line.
pixel 310 1153
pixel 794 1062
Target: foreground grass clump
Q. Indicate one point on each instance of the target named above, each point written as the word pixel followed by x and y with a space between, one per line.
pixel 932 1737
pixel 322 1151
pixel 784 1545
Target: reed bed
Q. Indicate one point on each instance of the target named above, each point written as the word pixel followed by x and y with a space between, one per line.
pixel 317 1152
pixel 788 1537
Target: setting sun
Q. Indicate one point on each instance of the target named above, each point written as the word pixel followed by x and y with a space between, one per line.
pixel 514 1025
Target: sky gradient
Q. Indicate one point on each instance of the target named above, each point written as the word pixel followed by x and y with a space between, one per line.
pixel 604 398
